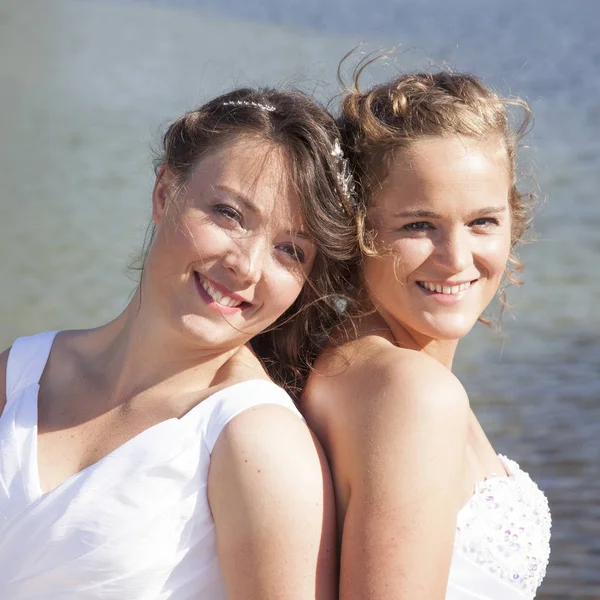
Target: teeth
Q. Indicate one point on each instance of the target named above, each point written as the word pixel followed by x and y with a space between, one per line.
pixel 216 295
pixel 445 289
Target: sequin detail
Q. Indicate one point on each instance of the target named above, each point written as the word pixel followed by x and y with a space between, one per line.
pixel 505 527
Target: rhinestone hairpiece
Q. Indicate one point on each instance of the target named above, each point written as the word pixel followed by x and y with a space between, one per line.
pixel 344 176
pixel 268 107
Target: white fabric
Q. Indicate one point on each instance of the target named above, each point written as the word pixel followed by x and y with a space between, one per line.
pixel 502 541
pixel 134 526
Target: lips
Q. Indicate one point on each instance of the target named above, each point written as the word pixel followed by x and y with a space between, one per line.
pixel 218 296
pixel 447 289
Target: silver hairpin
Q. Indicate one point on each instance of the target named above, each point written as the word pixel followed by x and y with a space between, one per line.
pixel 268 107
pixel 344 176
pixel 337 150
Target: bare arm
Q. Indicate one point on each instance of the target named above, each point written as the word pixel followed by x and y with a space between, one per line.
pixel 272 500
pixel 397 445
pixel 3 363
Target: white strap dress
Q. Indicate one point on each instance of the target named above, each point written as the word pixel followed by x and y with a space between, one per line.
pixel 134 526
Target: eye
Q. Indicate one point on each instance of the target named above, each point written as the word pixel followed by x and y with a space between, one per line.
pixel 228 212
pixel 417 226
pixel 485 223
pixel 294 251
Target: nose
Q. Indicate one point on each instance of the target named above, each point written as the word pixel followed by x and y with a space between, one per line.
pixel 454 251
pixel 245 259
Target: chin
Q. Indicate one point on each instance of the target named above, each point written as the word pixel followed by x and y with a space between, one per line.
pixel 448 329
pixel 206 333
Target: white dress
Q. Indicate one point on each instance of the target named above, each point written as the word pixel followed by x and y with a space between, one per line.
pixel 502 540
pixel 134 526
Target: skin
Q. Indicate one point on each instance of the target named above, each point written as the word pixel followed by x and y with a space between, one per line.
pixel 404 446
pixel 236 224
pixel 245 242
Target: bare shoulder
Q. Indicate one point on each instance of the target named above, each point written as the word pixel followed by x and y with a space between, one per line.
pixel 245 446
pixel 248 441
pixel 370 397
pixel 3 364
pixel 362 378
pixel 268 474
pixel 394 425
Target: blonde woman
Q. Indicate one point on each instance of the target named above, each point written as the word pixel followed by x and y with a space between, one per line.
pixel 426 508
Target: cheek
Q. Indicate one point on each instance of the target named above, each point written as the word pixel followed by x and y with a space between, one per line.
pixel 494 253
pixel 381 274
pixel 396 262
pixel 282 290
pixel 198 238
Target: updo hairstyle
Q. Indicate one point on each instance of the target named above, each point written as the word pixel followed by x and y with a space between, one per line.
pixel 376 123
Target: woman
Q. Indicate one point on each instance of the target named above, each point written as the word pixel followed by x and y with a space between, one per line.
pixel 123 471
pixel 426 508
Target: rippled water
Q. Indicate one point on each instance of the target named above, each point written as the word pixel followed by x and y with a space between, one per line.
pixel 85 85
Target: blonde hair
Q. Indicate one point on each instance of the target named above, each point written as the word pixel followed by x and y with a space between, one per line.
pixel 377 122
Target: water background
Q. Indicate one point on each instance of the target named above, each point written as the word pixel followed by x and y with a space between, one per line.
pixel 86 84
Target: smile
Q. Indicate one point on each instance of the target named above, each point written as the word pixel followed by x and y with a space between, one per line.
pixel 217 296
pixel 449 290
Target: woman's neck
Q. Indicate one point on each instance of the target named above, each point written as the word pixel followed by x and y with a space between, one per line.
pixel 379 323
pixel 137 353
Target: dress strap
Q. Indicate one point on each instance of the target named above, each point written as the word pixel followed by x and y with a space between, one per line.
pixel 230 402
pixel 26 361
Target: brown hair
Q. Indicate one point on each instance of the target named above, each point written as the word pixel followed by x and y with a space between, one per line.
pixel 307 132
pixel 375 123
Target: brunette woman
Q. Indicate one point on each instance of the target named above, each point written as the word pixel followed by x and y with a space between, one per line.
pixel 153 457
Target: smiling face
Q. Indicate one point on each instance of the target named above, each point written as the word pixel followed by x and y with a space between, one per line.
pixel 443 235
pixel 229 255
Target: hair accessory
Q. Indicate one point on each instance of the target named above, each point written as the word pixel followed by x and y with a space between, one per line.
pixel 268 107
pixel 344 176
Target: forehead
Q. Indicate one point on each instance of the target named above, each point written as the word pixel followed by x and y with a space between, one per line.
pixel 254 169
pixel 440 167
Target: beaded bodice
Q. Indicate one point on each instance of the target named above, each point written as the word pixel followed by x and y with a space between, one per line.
pixel 505 529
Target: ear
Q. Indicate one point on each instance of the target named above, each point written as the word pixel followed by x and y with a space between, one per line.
pixel 161 194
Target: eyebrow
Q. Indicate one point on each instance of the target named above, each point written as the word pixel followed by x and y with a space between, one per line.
pixel 428 214
pixel 249 205
pixel 302 234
